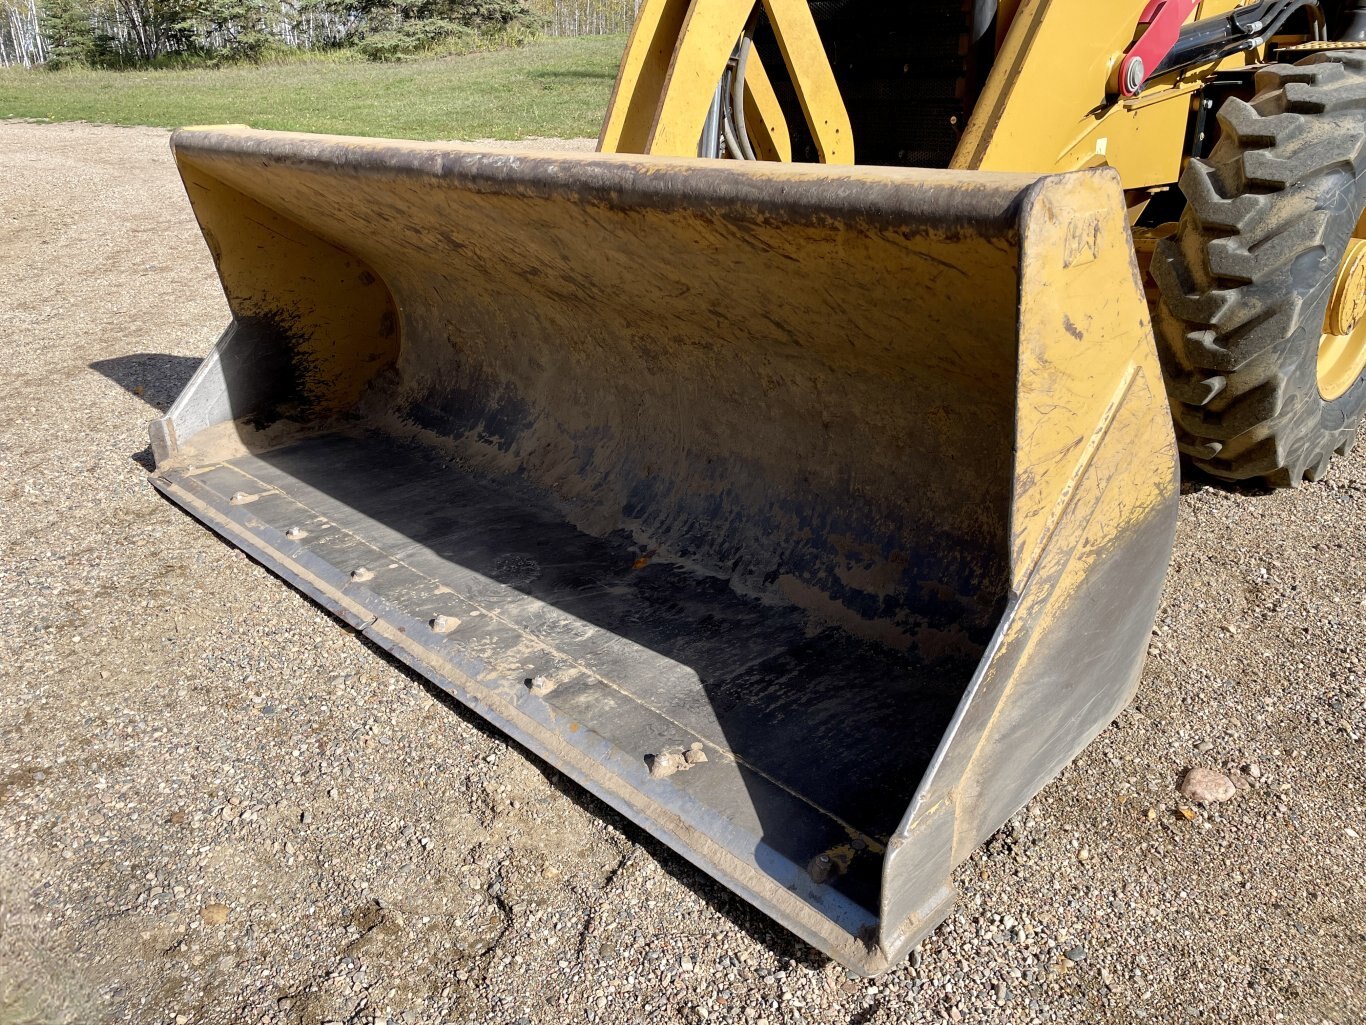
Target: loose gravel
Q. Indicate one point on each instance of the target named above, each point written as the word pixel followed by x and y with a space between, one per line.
pixel 220 804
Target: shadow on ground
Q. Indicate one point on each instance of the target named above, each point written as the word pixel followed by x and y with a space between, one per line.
pixel 154 377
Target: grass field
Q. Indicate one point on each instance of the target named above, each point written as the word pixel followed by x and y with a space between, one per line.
pixel 551 87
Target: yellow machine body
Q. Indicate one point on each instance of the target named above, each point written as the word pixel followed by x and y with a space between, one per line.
pixel 1045 106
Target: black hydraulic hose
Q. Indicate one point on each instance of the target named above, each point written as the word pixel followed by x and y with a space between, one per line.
pixel 1246 28
pixel 1290 7
pixel 1282 15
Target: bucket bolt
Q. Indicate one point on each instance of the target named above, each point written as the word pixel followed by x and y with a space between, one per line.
pixel 829 864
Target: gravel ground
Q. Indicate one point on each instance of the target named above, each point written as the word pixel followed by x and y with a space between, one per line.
pixel 219 804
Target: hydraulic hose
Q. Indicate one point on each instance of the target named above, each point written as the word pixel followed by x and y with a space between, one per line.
pixel 728 128
pixel 737 93
pixel 1212 39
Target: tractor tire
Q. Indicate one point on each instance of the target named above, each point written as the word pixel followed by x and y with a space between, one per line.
pixel 1247 280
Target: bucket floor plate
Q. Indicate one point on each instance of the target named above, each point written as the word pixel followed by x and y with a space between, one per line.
pixel 814 738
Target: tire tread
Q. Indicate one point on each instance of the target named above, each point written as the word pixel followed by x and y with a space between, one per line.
pixel 1243 276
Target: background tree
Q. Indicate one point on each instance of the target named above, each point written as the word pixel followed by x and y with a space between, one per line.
pixel 129 33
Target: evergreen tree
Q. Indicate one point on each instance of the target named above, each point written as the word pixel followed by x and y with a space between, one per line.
pixel 69 31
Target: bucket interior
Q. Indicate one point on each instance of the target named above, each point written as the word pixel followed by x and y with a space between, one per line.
pixel 723 479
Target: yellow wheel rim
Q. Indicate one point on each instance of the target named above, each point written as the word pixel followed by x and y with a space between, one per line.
pixel 1342 350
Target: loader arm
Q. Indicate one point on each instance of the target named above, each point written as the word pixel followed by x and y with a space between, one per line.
pixel 1052 99
pixel 1055 101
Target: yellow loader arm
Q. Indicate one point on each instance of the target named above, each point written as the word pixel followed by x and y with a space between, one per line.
pixel 1050 102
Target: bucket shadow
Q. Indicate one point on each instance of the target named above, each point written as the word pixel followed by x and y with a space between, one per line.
pixel 154 377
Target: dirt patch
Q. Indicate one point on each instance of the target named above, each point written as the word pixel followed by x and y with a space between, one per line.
pixel 180 731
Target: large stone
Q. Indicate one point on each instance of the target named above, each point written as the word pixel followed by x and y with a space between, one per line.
pixel 1205 786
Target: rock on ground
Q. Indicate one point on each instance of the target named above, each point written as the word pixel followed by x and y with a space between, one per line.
pixel 1205 786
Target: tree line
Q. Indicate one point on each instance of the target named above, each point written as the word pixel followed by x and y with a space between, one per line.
pixel 134 33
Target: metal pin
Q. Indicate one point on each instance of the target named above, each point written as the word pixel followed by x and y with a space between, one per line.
pixel 1135 75
pixel 823 868
pixel 242 498
pixel 296 533
pixel 443 624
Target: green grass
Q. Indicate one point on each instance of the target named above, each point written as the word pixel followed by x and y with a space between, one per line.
pixel 550 87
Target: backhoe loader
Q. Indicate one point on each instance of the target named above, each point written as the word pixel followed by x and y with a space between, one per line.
pixel 797 472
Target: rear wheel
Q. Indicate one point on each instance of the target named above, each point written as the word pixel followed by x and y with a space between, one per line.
pixel 1262 318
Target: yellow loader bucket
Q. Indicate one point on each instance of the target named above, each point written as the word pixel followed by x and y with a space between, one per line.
pixel 811 517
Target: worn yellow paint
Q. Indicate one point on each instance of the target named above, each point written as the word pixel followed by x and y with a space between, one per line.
pixel 703 47
pixel 1058 316
pixel 641 77
pixel 676 56
pixel 1095 463
pixel 763 115
pixel 813 79
pixel 1079 284
pixel 1046 105
pixel 1040 416
pixel 1024 441
pixel 285 280
pixel 1127 474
